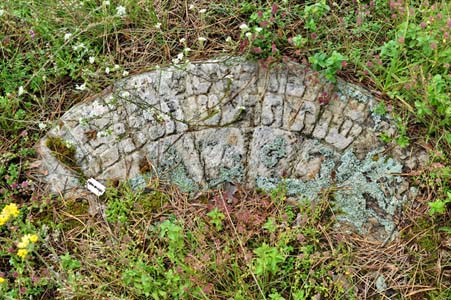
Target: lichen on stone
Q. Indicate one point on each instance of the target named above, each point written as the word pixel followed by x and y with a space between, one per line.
pixel 235 174
pixel 363 189
pixel 368 188
pixel 271 153
pixel 138 182
pixel 352 91
pixel 179 177
pixel 191 126
pixel 172 168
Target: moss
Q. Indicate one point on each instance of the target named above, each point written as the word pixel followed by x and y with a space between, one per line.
pixel 77 209
pixel 44 214
pixel 429 244
pixel 425 236
pixel 62 151
pixel 152 202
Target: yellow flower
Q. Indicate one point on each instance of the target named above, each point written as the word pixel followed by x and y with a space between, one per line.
pixel 22 253
pixel 8 211
pixel 2 280
pixel 26 239
pixel 11 210
pixel 33 238
pixel 3 219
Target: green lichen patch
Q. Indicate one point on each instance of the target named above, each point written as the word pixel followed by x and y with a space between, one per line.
pixel 179 176
pixel 233 175
pixel 172 168
pixel 273 152
pixel 364 189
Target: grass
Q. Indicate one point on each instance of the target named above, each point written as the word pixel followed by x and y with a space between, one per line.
pixel 161 244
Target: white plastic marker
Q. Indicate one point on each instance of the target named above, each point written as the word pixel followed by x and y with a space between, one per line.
pixel 95 187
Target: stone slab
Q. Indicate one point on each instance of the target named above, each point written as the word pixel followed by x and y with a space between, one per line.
pixel 230 120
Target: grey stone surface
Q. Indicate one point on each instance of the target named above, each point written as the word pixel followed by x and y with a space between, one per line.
pixel 232 121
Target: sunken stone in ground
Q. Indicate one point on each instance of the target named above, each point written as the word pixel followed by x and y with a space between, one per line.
pixel 233 121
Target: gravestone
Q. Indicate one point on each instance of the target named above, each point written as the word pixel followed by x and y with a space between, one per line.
pixel 229 120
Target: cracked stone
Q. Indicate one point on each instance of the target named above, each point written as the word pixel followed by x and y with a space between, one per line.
pixel 109 157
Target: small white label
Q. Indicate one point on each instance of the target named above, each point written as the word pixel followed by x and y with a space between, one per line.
pixel 95 187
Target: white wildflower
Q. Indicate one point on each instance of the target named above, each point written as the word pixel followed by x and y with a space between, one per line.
pixel 67 36
pixel 92 59
pixel 182 40
pixel 107 70
pixel 244 27
pixel 202 11
pixel 120 11
pixel 186 50
pixel 242 108
pixel 191 7
pixel 258 29
pixel 125 94
pixel 116 67
pixel 68 144
pixel 2 12
pixel 175 61
pixel 180 56
pixel 248 35
pixel 125 73
pixel 229 39
pixel 201 41
pixel 158 25
pixel 42 126
pixel 106 3
pixel 78 47
pixel 80 87
pixel 21 91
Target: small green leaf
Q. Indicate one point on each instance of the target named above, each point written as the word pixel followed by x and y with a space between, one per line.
pixel 402 141
pixel 445 229
pixel 380 109
pixel 437 207
pixel 270 225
